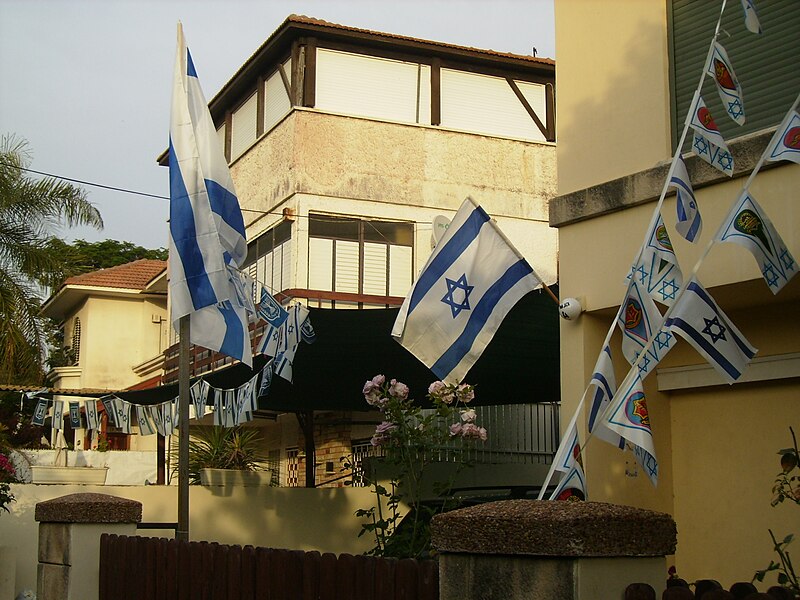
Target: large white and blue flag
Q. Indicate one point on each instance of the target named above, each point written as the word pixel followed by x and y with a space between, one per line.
pixel 697 318
pixel 730 92
pixel 748 225
pixel 206 226
pixel 785 144
pixel 657 269
pixel 689 223
pixel 468 285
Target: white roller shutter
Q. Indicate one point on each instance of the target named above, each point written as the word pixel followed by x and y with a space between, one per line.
pixel 375 269
pixel 276 100
pixel 320 264
pixel 346 276
pixel 286 264
pixel 243 127
pixel 400 270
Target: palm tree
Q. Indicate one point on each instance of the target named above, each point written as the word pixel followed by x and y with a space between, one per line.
pixel 30 212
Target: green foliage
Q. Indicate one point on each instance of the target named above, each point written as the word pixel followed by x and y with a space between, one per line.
pixel 31 211
pixel 411 439
pixel 212 447
pixel 16 429
pixel 786 487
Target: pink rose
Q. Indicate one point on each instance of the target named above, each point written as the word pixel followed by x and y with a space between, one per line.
pixel 465 393
pixel 456 429
pixel 398 390
pixel 468 416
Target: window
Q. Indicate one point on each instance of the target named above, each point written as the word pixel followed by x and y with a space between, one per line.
pixel 76 342
pixel 359 256
pixel 292 467
pixel 276 100
pixel 269 258
pixel 243 126
pixel 360 451
pixel 766 65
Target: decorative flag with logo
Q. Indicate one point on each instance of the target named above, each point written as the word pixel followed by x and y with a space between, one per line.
pixel 748 225
pixel 468 285
pixel 198 392
pixel 569 462
pixel 703 123
pixel 717 157
pixel 751 20
pixel 785 144
pixel 689 223
pixel 628 416
pixel 111 412
pixel 92 418
pixel 657 270
pixel 74 415
pixel 638 320
pixel 730 92
pixel 40 412
pixel 266 379
pixel 698 319
pixel 206 224
pixel 275 315
pixel 605 383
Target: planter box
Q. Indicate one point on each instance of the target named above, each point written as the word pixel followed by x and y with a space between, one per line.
pixel 229 477
pixel 79 475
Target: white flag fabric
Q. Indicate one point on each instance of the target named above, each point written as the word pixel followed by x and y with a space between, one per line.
pixel 730 92
pixel 703 123
pixel 58 414
pixel 123 412
pixel 198 392
pixel 717 157
pixel 751 20
pixel 275 315
pixel 785 144
pixel 155 415
pixel 639 320
pixel 689 223
pixel 648 463
pixel 698 319
pixel 628 415
pixel 605 382
pixel 657 270
pixel 206 225
pixel 748 225
pixel 568 461
pixel 92 418
pixel 111 411
pixel 468 285
pixel 146 426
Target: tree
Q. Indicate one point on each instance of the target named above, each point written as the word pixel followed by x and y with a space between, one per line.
pixel 30 211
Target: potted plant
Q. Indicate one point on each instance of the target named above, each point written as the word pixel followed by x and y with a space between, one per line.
pixel 222 456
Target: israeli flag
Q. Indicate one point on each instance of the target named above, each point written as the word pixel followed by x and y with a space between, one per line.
pixel 569 462
pixel 92 418
pixel 628 415
pixel 657 270
pixel 146 427
pixel 58 414
pixel 605 382
pixel 471 281
pixel 155 415
pixel 108 404
pixel 266 379
pixel 689 223
pixel 206 226
pixel 199 395
pixel 639 320
pixel 751 20
pixel 123 412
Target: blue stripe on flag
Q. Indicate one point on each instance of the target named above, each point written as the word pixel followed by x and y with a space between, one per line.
pixel 225 204
pixel 180 208
pixel 190 65
pixel 701 293
pixel 605 390
pixel 477 320
pixel 718 358
pixel 461 240
pixel 233 342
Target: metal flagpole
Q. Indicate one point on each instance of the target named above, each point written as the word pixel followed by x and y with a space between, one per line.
pixel 182 531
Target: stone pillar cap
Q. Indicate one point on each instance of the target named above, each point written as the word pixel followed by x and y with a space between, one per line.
pixel 554 528
pixel 88 508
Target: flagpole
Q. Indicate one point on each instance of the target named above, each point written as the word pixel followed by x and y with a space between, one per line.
pixel 182 531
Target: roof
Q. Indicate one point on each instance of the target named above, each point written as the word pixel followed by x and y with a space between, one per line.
pixel 133 275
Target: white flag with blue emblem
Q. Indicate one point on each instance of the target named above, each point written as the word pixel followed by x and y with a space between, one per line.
pixel 92 418
pixel 639 320
pixel 657 270
pixel 717 157
pixel 468 285
pixel 569 462
pixel 748 225
pixel 605 382
pixel 698 319
pixel 751 20
pixel 146 426
pixel 40 412
pixel 785 144
pixel 198 393
pixel 730 92
pixel 701 120
pixel 206 225
pixel 689 223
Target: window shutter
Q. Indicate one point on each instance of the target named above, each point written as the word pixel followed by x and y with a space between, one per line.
pixel 400 270
pixel 286 265
pixel 276 101
pixel 320 264
pixel 766 64
pixel 375 269
pixel 243 127
pixel 346 274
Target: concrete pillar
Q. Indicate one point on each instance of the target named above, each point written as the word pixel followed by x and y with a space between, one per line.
pixel 69 541
pixel 535 550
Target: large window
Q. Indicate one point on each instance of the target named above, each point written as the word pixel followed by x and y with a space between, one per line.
pixel 766 65
pixel 359 256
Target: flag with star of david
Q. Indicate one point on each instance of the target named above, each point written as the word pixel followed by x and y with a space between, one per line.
pixel 697 318
pixel 717 157
pixel 689 223
pixel 275 315
pixel 785 144
pixel 748 225
pixel 468 285
pixel 569 462
pixel 628 416
pixel 730 92
pixel 751 20
pixel 701 120
pixel 657 269
pixel 605 383
pixel 639 320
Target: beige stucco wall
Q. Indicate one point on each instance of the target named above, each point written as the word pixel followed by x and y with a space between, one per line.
pixel 716 444
pixel 314 161
pixel 294 518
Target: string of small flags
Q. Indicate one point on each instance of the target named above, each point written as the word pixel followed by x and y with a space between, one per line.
pixel 231 407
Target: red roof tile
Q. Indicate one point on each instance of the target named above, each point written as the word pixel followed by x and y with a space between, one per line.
pixel 133 275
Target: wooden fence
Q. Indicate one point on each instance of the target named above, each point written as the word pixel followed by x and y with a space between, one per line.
pixel 140 568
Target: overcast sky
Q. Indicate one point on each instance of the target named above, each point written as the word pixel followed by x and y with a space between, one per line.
pixel 88 82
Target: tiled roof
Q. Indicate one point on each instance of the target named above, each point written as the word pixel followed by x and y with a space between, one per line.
pixel 133 275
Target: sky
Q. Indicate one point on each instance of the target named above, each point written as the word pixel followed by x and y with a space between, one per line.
pixel 88 82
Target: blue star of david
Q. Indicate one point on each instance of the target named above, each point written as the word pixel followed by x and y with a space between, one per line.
pixel 449 299
pixel 725 161
pixel 643 274
pixel 770 275
pixel 787 260
pixel 291 329
pixel 644 364
pixel 714 330
pixel 668 289
pixel 735 108
pixel 276 335
pixel 700 145
pixel 663 339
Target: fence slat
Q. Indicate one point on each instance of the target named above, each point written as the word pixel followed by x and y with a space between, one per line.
pixel 311 566
pixel 345 577
pixel 160 568
pixel 327 577
pixel 384 578
pixel 364 587
pixel 295 575
pixel 248 573
pixel 428 580
pixel 233 572
pixel 405 579
pixel 263 588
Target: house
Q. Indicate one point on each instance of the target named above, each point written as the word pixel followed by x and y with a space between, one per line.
pixel 627 72
pixel 350 150
pixel 115 329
